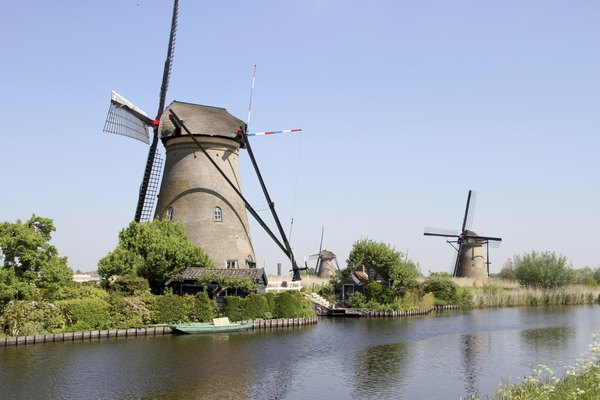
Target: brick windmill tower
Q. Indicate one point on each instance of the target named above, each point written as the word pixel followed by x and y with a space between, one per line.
pixel 201 185
pixel 470 261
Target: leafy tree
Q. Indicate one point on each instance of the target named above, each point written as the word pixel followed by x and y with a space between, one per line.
pixel 386 260
pixel 29 259
pixel 155 250
pixel 584 276
pixel 543 270
pixel 597 275
pixel 508 272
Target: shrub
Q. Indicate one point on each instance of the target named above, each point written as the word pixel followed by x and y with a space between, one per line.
pixel 204 309
pixel 255 306
pixel 86 314
pixel 356 300
pixel 128 312
pixel 20 318
pixel 270 297
pixel 130 285
pixel 543 270
pixel 442 287
pixel 232 308
pixel 292 305
pixel 379 292
pixel 169 308
pixel 81 291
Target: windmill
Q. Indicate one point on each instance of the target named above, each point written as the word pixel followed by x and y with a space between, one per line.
pixel 327 264
pixel 201 186
pixel 470 261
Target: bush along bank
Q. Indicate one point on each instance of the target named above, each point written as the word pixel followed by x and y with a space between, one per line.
pixel 115 311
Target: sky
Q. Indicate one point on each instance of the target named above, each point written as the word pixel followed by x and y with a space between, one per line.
pixel 404 106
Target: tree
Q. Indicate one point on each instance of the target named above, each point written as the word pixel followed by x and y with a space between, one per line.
pixel 544 270
pixel 155 250
pixel 29 259
pixel 508 272
pixel 386 260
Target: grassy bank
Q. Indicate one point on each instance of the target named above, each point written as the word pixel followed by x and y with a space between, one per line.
pixel 505 293
pixel 581 381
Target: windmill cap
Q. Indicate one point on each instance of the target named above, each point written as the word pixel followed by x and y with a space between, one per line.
pixel 200 120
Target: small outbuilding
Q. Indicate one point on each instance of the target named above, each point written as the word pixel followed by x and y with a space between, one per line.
pixel 362 275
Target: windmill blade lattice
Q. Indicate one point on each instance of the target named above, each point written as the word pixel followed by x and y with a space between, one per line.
pixel 126 119
pixel 147 212
pixel 146 200
pixel 470 211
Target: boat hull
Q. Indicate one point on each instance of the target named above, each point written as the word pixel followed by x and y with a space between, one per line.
pixel 210 328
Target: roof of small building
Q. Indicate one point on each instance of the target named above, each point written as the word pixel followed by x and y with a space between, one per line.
pixel 195 273
pixel 201 120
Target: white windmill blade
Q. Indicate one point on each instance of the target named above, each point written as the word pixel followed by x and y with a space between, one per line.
pixel 124 118
pixel 313 256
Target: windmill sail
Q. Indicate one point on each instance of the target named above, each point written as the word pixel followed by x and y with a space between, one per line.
pixel 153 182
pixel 126 119
pixel 469 258
pixel 145 202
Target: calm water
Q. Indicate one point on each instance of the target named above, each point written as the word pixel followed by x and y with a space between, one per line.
pixel 435 357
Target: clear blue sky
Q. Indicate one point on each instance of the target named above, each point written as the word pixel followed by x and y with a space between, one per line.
pixel 405 106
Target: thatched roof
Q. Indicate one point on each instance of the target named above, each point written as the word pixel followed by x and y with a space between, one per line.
pixel 200 120
pixel 195 273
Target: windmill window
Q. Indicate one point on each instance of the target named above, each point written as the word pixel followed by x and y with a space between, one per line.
pixel 231 264
pixel 218 214
pixel 170 213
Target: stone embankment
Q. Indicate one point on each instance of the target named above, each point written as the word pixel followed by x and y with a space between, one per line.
pixel 393 314
pixel 157 330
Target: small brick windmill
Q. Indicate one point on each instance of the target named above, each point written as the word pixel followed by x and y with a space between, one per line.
pixel 470 261
pixel 201 184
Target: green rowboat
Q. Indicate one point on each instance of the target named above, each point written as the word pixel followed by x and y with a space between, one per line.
pixel 219 325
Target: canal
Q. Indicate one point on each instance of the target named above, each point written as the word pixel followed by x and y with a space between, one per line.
pixel 441 356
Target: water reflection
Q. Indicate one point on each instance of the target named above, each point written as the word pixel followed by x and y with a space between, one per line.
pixel 472 359
pixel 435 357
pixel 379 370
pixel 542 339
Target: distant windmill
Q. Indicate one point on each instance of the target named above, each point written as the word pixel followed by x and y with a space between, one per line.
pixel 470 261
pixel 327 264
pixel 201 185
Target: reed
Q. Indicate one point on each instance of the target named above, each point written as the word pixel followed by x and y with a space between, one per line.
pixel 496 294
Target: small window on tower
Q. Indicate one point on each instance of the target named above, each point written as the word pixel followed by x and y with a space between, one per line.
pixel 231 264
pixel 170 213
pixel 218 214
